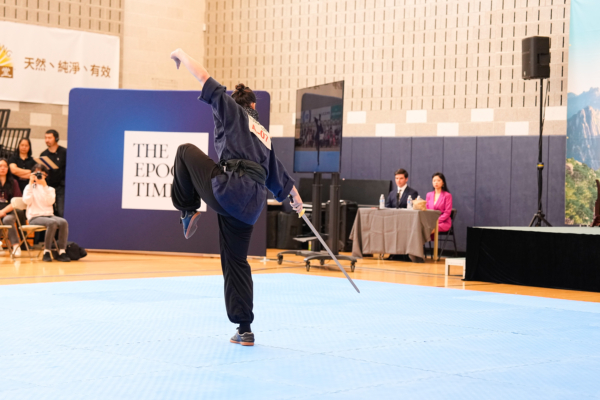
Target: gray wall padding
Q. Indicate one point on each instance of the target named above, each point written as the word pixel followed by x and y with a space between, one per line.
pixel 366 158
pixel 492 177
pixel 555 205
pixel 460 159
pixel 346 172
pixel 427 158
pixel 395 154
pixel 524 179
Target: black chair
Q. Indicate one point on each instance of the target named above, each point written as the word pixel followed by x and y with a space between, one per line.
pixel 4 115
pixel 444 237
pixel 10 138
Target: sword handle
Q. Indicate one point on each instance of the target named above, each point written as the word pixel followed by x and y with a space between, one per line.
pixel 301 213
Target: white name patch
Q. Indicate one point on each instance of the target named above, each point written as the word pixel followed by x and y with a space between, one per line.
pixel 261 133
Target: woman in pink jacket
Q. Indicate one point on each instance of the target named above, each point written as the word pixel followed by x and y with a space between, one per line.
pixel 440 199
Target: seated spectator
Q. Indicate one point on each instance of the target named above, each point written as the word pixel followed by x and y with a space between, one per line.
pixel 40 199
pixel 9 188
pixel 20 164
pixel 398 198
pixel 440 199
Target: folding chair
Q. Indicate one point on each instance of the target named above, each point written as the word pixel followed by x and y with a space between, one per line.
pixel 4 238
pixel 444 237
pixel 25 230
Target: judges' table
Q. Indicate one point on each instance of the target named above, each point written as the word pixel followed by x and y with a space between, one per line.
pixel 553 257
pixel 393 231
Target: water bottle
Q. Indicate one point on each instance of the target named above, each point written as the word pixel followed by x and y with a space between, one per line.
pixel 409 205
pixel 381 202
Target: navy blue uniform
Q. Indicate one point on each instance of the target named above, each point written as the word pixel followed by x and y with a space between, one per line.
pixel 242 197
pixel 237 198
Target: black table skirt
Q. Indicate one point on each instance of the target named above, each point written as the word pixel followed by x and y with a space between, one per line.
pixel 533 258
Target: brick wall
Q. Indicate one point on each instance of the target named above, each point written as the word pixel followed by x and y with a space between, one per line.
pixel 411 67
pixel 153 29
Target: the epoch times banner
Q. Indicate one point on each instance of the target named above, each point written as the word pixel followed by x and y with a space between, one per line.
pixel 148 163
pixel 583 108
pixel 41 65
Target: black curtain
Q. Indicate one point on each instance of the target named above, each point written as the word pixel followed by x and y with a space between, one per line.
pixel 544 259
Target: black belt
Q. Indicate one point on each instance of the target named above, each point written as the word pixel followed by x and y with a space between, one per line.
pixel 241 166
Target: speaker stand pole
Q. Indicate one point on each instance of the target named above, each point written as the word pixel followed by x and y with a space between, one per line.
pixel 539 217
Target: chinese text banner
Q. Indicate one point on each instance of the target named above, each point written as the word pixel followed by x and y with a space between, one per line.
pixel 41 65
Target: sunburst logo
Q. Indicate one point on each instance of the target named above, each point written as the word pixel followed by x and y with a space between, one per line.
pixel 6 66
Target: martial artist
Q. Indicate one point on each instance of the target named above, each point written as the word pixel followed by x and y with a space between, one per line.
pixel 236 187
pixel 318 134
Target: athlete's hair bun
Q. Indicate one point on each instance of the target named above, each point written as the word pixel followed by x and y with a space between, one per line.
pixel 243 95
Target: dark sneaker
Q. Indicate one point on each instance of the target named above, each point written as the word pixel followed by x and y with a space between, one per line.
pixel 189 219
pixel 245 339
pixel 62 257
pixel 47 257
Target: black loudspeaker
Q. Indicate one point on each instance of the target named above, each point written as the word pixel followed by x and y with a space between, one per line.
pixel 536 57
pixel 288 227
pixel 348 211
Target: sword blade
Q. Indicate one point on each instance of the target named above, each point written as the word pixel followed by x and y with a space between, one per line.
pixel 328 251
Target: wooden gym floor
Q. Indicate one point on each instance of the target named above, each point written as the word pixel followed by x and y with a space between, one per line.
pixel 105 265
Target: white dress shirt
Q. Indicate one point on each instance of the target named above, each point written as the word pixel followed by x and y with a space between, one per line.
pixel 401 191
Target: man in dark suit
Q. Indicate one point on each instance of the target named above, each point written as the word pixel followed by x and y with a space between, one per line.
pixel 398 198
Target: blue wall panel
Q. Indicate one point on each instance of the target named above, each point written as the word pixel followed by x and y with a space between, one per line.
pixel 492 201
pixel 98 119
pixel 460 160
pixel 395 154
pixel 284 148
pixel 523 178
pixel 347 145
pixel 366 158
pixel 427 158
pixel 555 205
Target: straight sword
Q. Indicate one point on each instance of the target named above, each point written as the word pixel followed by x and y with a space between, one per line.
pixel 312 228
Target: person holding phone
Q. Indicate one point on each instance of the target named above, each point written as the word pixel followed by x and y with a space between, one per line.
pixel 40 199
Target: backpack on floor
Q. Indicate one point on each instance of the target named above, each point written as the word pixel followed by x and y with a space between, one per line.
pixel 73 251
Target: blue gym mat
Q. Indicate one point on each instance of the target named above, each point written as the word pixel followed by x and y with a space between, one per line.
pixel 168 338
